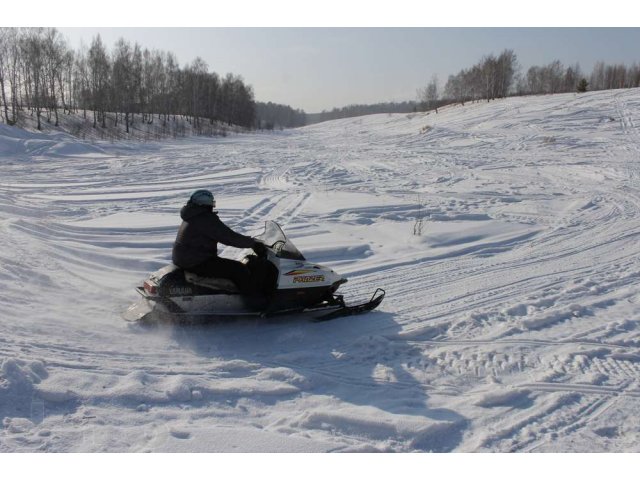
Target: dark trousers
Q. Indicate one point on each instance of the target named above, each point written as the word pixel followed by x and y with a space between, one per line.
pixel 225 268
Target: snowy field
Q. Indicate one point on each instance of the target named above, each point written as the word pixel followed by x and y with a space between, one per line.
pixel 511 322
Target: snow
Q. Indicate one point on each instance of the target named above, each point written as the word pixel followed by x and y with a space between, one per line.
pixel 511 323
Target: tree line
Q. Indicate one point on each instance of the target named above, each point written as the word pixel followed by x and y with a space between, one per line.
pixel 497 77
pixel 270 116
pixel 556 78
pixel 40 73
pixel 356 110
pixel 606 77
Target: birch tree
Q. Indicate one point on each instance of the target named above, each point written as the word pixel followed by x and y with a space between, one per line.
pixel 99 70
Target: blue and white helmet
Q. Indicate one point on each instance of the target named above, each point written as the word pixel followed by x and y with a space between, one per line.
pixel 202 197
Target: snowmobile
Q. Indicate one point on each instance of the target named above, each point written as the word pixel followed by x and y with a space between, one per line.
pixel 285 283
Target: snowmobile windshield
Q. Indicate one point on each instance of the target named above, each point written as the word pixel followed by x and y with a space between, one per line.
pixel 275 238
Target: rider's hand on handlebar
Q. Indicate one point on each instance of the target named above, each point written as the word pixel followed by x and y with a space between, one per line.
pixel 259 248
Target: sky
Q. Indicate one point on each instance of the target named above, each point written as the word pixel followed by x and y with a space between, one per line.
pixel 314 65
pixel 318 69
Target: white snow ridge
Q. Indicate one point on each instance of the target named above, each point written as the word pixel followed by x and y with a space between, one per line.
pixel 506 235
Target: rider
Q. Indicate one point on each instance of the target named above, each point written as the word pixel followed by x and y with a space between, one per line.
pixel 196 245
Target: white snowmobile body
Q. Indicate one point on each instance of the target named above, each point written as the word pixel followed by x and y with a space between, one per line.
pixel 290 284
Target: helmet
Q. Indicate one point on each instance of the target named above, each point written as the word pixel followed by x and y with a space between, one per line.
pixel 202 197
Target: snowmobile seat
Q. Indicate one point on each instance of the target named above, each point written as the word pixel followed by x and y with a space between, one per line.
pixel 211 282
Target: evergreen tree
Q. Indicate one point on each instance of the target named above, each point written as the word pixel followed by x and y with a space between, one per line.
pixel 582 85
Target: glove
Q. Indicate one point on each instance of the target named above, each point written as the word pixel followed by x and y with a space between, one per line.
pixel 259 248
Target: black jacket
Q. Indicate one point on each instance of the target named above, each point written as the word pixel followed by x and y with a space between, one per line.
pixel 199 234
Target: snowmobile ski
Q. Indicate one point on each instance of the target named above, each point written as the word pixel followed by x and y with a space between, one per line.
pixel 348 310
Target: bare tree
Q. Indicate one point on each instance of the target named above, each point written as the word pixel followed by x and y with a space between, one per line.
pixel 4 60
pixel 507 65
pixel 428 96
pixel 634 76
pixel 572 76
pixel 453 88
pixel 54 51
pixel 597 77
pixel 65 79
pixel 99 70
pixel 554 72
pixel 213 94
pixel 136 78
pixel 13 53
pixel 489 70
pixel 81 85
pixel 32 49
pixel 173 82
pixel 123 81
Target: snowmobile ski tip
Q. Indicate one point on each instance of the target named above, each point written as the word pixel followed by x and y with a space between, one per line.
pixel 347 310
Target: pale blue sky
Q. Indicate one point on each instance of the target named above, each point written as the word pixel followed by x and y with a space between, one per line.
pixel 322 68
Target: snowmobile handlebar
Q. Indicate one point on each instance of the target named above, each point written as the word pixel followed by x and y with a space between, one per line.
pixel 260 249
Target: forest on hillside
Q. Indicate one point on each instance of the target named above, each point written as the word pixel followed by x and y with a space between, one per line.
pixel 501 76
pixel 41 75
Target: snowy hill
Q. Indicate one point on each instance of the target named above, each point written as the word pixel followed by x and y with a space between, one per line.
pixel 505 234
pixel 80 126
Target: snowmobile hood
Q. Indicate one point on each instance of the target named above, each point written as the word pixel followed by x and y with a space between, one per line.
pixel 190 210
